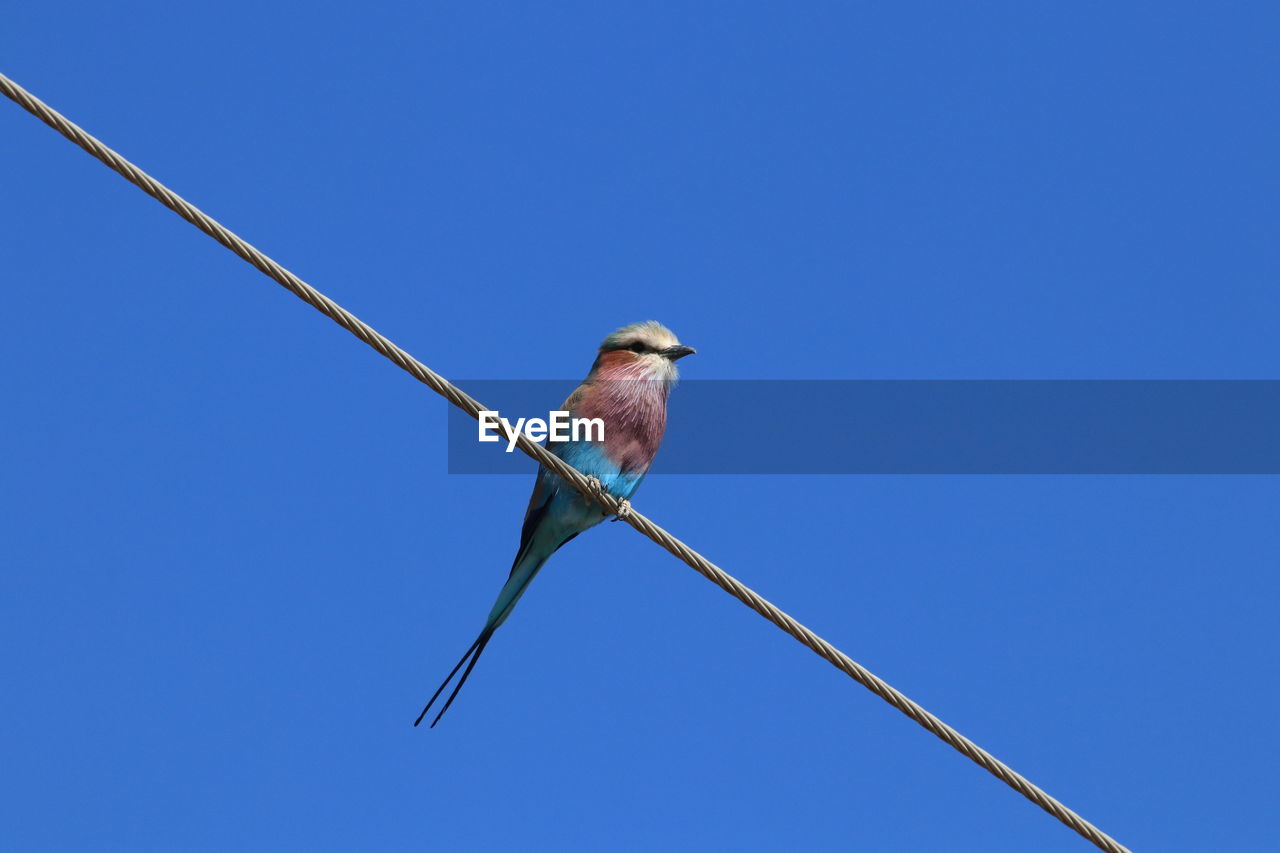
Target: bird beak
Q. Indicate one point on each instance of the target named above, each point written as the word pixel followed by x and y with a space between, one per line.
pixel 674 353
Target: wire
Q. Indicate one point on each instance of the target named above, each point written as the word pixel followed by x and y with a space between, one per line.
pixel 590 489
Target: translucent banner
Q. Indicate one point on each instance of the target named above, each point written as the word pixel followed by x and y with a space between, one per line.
pixel 925 427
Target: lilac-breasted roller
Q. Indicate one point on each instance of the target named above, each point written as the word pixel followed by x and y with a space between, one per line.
pixel 627 389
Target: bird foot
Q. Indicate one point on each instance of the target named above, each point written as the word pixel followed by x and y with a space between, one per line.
pixel 597 490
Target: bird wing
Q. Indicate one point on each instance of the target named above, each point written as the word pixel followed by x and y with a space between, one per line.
pixel 539 504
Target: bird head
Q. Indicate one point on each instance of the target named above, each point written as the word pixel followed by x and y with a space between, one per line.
pixel 647 350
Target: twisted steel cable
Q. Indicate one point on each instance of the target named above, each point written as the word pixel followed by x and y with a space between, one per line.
pixel 587 486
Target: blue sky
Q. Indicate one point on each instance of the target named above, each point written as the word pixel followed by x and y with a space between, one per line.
pixel 235 564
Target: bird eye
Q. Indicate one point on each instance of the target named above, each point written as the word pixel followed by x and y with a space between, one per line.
pixel 637 347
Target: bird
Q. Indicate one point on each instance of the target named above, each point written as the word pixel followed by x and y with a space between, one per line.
pixel 627 388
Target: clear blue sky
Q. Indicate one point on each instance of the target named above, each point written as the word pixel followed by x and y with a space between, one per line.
pixel 234 564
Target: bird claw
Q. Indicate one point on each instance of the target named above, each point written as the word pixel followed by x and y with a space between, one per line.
pixel 597 490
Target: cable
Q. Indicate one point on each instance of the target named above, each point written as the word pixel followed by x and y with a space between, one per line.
pixel 590 489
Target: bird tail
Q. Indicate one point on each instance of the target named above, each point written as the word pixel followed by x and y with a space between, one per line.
pixel 522 574
pixel 473 654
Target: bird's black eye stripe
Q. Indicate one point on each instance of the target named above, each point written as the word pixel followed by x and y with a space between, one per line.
pixel 638 347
